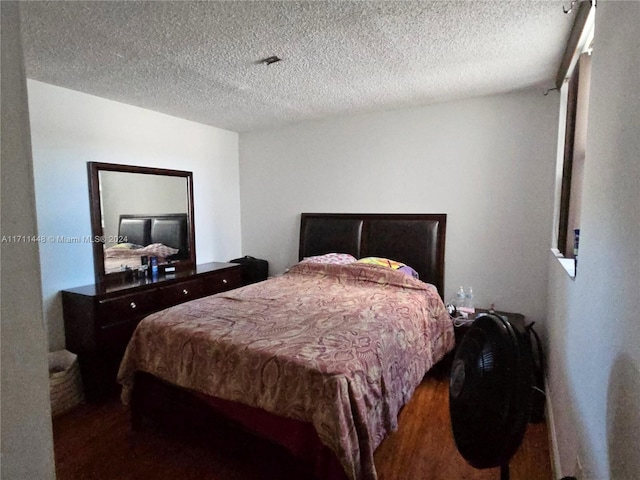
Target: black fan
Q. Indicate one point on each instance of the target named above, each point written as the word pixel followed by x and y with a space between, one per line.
pixel 490 392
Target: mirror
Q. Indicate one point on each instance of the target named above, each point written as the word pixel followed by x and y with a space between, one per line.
pixel 138 213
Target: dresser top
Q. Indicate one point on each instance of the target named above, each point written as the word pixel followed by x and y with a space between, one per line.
pixel 149 282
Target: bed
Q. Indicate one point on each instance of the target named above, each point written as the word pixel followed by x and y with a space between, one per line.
pixel 320 359
pixel 163 236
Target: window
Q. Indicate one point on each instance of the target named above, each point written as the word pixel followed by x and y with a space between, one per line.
pixel 574 83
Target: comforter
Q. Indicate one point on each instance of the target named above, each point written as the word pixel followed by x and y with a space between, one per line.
pixel 340 346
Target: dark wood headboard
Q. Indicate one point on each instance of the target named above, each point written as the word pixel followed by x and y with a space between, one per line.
pixel 417 240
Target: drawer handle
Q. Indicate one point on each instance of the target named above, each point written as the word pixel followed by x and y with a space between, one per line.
pixel 133 305
pixel 224 280
pixel 185 291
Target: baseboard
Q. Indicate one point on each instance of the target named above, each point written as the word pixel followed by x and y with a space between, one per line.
pixel 556 468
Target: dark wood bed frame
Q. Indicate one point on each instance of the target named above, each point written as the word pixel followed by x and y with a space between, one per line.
pixel 415 239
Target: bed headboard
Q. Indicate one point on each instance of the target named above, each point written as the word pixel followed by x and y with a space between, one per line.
pixel 168 229
pixel 415 239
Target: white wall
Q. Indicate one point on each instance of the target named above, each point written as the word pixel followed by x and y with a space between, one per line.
pixel 69 129
pixel 594 326
pixel 485 162
pixel 27 439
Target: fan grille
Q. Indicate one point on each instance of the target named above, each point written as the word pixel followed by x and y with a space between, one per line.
pixel 490 392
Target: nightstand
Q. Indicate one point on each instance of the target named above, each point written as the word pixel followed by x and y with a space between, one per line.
pixel 517 319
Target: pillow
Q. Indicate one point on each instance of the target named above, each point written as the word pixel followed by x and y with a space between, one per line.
pixel 157 250
pixel 393 264
pixel 385 262
pixel 333 258
pixel 407 270
pixel 127 246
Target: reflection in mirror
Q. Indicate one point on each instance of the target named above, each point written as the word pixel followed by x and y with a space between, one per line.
pixel 131 200
pixel 138 193
pixel 139 213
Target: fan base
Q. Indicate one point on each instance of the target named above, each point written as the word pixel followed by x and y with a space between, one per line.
pixel 504 471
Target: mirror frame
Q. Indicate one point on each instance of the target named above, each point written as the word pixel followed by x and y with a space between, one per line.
pixel 94 169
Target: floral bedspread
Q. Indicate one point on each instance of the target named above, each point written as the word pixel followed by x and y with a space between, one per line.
pixel 340 346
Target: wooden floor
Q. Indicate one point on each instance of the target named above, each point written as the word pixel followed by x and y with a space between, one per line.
pixel 96 442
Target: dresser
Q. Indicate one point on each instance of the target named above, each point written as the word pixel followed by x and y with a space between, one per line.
pixel 99 319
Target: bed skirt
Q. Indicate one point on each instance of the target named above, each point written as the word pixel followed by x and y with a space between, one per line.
pixel 172 407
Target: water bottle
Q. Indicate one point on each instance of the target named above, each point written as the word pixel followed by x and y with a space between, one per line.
pixel 469 298
pixel 154 267
pixel 460 297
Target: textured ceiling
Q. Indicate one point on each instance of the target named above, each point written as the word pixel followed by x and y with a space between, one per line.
pixel 201 60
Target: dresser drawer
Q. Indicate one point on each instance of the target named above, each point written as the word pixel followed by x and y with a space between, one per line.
pixel 182 292
pixel 222 281
pixel 116 310
pixel 116 336
pixel 201 287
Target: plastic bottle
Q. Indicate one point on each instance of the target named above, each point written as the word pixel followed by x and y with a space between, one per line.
pixel 460 297
pixel 154 266
pixel 469 298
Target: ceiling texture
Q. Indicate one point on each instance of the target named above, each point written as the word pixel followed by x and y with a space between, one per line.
pixel 203 61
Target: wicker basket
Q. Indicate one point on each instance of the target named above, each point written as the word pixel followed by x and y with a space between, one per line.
pixel 65 384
